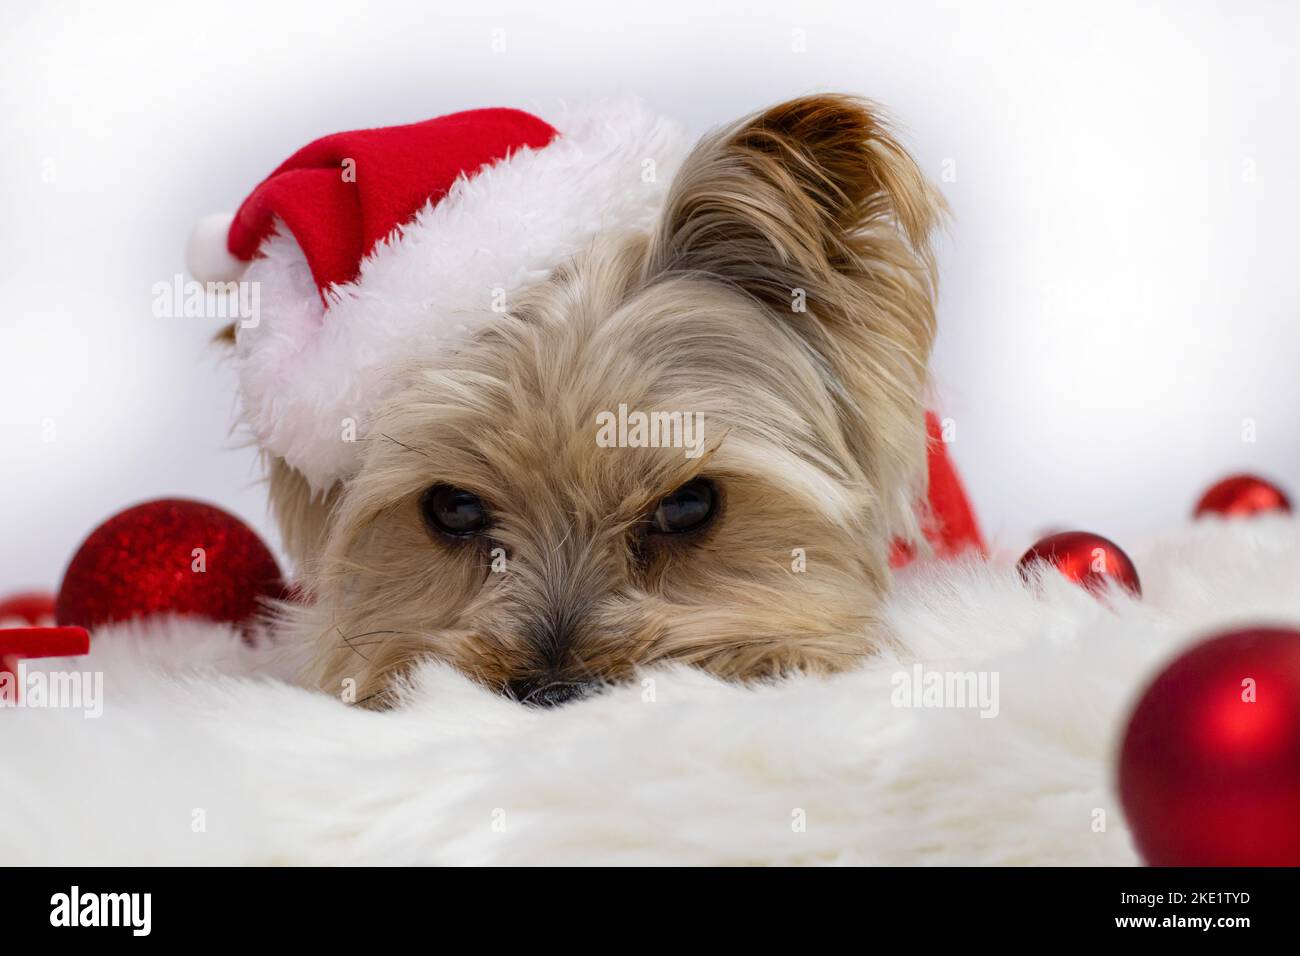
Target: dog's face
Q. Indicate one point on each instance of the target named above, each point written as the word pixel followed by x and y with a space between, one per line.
pixel 694 446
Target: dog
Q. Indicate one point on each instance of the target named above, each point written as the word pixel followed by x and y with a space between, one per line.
pixel 511 516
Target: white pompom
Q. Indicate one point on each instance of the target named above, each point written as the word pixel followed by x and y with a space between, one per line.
pixel 206 255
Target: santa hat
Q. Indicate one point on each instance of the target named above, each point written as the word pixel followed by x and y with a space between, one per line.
pixel 367 246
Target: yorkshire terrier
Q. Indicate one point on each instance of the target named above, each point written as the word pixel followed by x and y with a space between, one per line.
pixel 513 518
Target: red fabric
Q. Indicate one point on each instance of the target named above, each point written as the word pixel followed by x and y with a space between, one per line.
pixel 951 528
pixel 397 169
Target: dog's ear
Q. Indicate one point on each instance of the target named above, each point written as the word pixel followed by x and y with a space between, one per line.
pixel 302 515
pixel 814 209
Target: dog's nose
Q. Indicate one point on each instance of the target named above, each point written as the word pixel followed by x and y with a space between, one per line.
pixel 539 694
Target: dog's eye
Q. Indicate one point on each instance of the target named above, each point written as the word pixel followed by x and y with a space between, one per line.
pixel 453 511
pixel 686 509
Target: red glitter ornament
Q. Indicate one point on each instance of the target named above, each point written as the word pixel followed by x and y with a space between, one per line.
pixel 170 556
pixel 1241 496
pixel 1088 559
pixel 1209 771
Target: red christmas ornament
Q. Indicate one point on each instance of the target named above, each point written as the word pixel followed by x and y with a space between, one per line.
pixel 1241 496
pixel 1209 771
pixel 26 630
pixel 1088 559
pixel 27 609
pixel 170 556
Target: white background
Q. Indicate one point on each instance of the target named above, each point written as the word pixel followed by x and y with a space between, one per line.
pixel 1119 280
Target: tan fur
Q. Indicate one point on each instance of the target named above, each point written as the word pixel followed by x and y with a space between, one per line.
pixel 813 427
pixel 303 517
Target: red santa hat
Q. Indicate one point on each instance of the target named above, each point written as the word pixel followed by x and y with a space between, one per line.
pixel 369 246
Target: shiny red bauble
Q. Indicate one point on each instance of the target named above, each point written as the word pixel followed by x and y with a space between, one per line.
pixel 171 556
pixel 1085 558
pixel 1209 769
pixel 1241 496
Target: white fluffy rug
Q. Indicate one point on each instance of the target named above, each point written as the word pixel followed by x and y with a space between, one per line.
pixel 202 757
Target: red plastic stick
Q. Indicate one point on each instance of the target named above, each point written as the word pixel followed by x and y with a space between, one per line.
pixel 19 642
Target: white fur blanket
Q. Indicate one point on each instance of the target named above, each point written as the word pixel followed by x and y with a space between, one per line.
pixel 201 756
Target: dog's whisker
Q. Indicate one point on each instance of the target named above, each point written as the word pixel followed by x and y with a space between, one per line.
pixel 348 643
pixel 403 444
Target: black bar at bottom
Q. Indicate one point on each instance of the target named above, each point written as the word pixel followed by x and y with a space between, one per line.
pixel 524 906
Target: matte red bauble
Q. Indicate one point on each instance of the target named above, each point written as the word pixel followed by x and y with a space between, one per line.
pixel 1209 770
pixel 1242 496
pixel 1088 559
pixel 170 556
